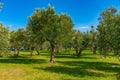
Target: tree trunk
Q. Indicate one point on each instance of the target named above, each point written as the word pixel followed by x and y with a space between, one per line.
pixel 118 58
pixel 14 51
pixel 18 51
pixel 57 49
pixel 65 49
pixel 76 50
pixel 94 50
pixel 53 51
pixel 31 51
pixel 100 51
pixel 115 52
pixel 38 52
pixel 79 53
pixel 105 53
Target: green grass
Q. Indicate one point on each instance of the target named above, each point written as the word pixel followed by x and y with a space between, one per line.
pixel 67 67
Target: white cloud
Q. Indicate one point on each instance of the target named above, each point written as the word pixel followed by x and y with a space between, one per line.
pixel 82 27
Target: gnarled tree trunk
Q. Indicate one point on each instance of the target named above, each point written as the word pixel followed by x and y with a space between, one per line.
pixel 53 51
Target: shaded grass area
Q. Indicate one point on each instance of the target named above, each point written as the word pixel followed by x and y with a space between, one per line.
pixel 83 69
pixel 22 61
pixel 76 72
pixel 67 67
pixel 102 66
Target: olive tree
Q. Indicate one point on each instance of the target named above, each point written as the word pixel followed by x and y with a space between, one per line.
pixel 53 27
pixel 4 39
pixel 109 31
pixel 17 40
pixel 93 39
pixel 80 41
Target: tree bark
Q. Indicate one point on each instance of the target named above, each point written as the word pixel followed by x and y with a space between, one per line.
pixel 105 53
pixel 76 51
pixel 31 51
pixel 115 52
pixel 65 49
pixel 18 51
pixel 118 58
pixel 38 52
pixel 79 53
pixel 94 50
pixel 14 51
pixel 53 51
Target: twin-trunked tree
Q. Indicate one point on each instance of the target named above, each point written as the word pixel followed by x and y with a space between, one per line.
pixel 53 27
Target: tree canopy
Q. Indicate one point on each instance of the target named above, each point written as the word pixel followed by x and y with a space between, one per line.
pixel 4 39
pixel 109 31
pixel 49 25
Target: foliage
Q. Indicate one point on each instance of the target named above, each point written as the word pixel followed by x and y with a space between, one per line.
pixel 109 31
pixel 93 39
pixel 4 39
pixel 49 25
pixel 80 42
pixel 18 39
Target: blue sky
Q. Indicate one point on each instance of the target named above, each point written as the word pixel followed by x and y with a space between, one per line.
pixel 84 13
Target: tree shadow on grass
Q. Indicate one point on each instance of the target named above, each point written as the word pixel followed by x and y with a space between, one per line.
pixel 73 56
pixel 99 66
pixel 118 76
pixel 81 68
pixel 65 56
pixel 76 72
pixel 18 57
pixel 102 66
pixel 45 54
pixel 23 61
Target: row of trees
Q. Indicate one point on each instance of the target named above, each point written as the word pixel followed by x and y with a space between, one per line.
pixel 45 26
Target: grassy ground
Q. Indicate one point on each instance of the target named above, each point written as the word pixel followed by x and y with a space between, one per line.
pixel 67 67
